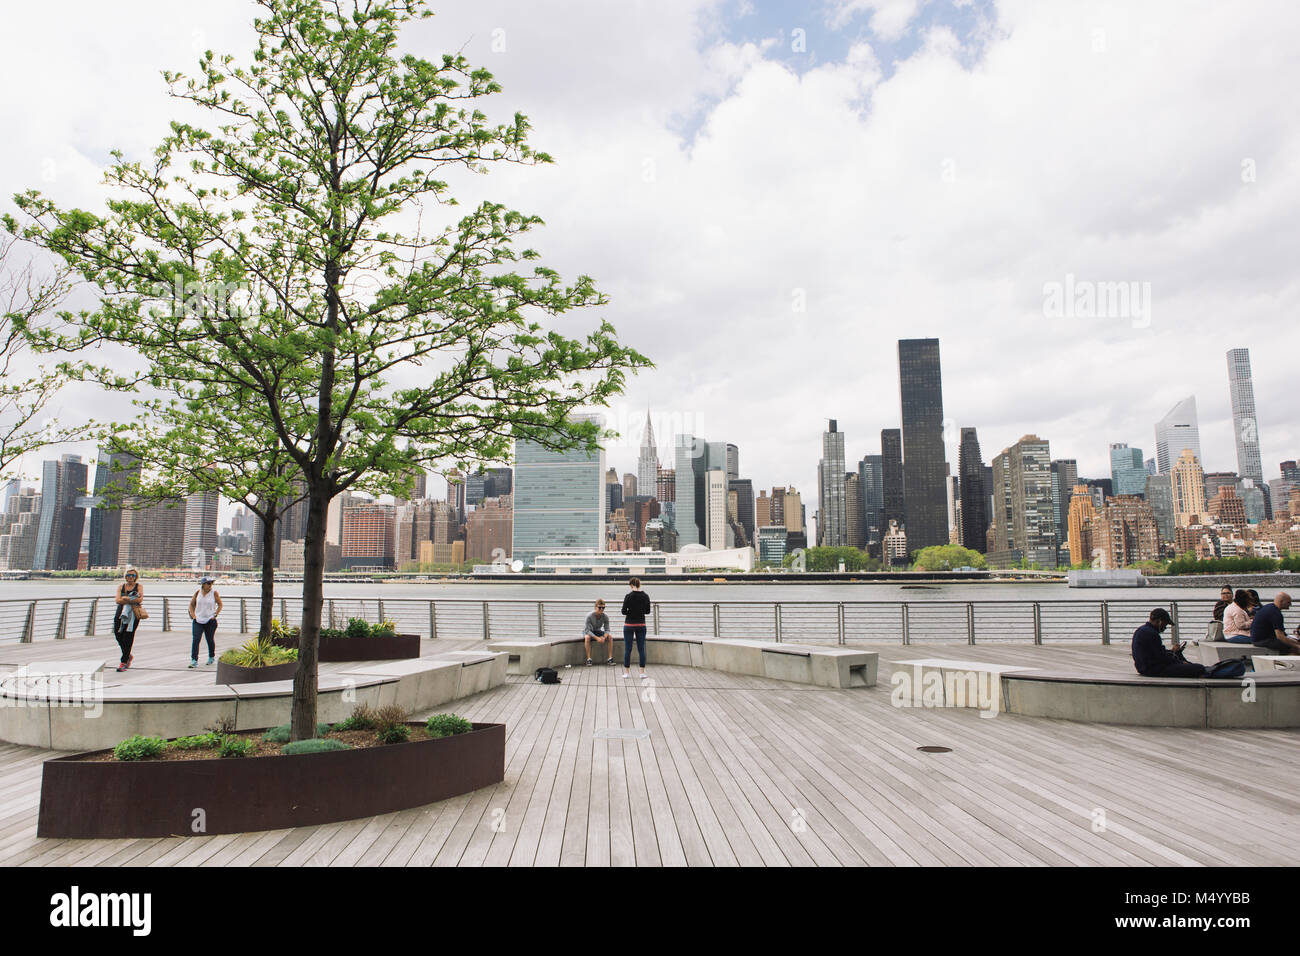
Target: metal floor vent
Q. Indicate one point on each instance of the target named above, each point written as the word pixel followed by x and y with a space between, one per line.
pixel 623 733
pixel 935 750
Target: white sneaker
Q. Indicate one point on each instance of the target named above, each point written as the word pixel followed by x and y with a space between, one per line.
pixel 624 676
pixel 643 676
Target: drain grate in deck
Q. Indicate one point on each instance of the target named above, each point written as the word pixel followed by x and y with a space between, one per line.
pixel 931 749
pixel 623 733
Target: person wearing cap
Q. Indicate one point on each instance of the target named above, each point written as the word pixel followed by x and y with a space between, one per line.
pixel 127 617
pixel 1153 659
pixel 204 608
pixel 597 628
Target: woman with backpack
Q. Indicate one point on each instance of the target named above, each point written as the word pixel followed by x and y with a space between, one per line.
pixel 128 615
pixel 204 608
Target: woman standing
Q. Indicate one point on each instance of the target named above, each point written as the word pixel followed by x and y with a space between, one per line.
pixel 636 605
pixel 127 617
pixel 204 608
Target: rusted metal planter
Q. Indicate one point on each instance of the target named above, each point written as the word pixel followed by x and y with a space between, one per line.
pixel 157 798
pixel 234 674
pixel 388 648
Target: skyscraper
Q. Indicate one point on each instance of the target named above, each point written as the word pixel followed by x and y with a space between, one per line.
pixel 743 488
pixel 1023 519
pixel 1176 431
pixel 832 528
pixel 1160 496
pixel 115 477
pixel 688 472
pixel 1128 475
pixel 891 477
pixel 1188 487
pixel 647 461
pixel 1245 426
pixel 921 394
pixel 201 528
pixel 871 476
pixel 1079 521
pixel 153 536
pixel 974 496
pixel 59 527
pixel 854 533
pixel 1065 476
pixel 733 462
pixel 558 500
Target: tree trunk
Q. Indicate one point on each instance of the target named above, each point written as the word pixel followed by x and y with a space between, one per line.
pixel 268 573
pixel 303 720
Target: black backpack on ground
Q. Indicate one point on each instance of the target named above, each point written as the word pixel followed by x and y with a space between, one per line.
pixel 1234 667
pixel 547 675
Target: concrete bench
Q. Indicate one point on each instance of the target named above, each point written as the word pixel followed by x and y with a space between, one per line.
pixel 1211 652
pixel 950 682
pixel 1260 700
pixel 524 657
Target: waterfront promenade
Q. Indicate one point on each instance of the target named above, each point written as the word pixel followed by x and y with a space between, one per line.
pixel 703 768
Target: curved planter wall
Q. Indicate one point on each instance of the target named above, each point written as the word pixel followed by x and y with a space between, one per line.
pixel 233 674
pixel 157 798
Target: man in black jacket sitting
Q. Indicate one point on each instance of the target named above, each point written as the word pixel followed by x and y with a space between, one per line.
pixel 1151 656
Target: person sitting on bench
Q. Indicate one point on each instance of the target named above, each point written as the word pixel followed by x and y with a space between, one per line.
pixel 1236 620
pixel 1268 630
pixel 1153 659
pixel 597 628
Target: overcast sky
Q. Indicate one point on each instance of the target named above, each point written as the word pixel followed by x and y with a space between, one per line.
pixel 772 194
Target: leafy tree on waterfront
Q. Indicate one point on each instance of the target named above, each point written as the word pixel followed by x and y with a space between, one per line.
pixel 946 557
pixel 298 268
pixel 829 559
pixel 26 297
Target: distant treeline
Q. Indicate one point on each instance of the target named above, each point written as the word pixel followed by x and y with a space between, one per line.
pixel 1188 564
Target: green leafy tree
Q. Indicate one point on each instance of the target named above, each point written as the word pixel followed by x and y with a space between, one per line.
pixel 280 257
pixel 946 557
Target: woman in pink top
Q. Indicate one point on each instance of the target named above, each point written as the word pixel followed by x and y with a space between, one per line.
pixel 1236 619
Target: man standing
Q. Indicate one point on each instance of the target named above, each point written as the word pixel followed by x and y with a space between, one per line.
pixel 597 629
pixel 1268 630
pixel 636 605
pixel 1151 657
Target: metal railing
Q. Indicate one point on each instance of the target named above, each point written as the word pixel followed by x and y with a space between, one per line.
pixel 906 622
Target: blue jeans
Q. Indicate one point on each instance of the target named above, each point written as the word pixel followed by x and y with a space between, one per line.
pixel 630 631
pixel 203 630
pixel 1237 638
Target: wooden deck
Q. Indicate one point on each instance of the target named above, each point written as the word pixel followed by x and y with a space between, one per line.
pixel 749 771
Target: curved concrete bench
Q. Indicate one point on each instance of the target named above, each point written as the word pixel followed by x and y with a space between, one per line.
pixel 1259 700
pixel 808 664
pixel 94 717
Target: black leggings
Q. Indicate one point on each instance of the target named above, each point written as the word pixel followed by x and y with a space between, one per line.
pixel 203 630
pixel 633 631
pixel 125 640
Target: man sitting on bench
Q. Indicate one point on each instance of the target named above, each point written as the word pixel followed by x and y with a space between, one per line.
pixel 597 628
pixel 1268 630
pixel 1151 656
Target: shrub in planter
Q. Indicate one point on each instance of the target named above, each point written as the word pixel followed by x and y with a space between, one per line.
pixel 394 734
pixel 197 742
pixel 361 718
pixel 327 633
pixel 139 748
pixel 357 627
pixel 314 746
pixel 259 653
pixel 280 735
pixel 234 747
pixel 384 629
pixel 447 725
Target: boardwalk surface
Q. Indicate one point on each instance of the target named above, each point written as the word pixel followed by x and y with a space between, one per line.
pixel 739 770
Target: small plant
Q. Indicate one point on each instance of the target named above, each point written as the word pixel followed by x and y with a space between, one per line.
pixel 384 629
pixel 281 734
pixel 139 748
pixel 357 627
pixel 329 633
pixel 393 733
pixel 447 725
pixel 361 718
pixel 221 726
pixel 316 746
pixel 197 742
pixel 259 653
pixel 235 747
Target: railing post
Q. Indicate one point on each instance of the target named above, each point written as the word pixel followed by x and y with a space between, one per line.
pixel 433 620
pixel 1038 623
pixel 30 624
pixel 167 618
pixel 90 621
pixel 970 622
pixel 907 637
pixel 778 622
pixel 381 611
pixel 1105 623
pixel 716 629
pixel 331 613
pixel 654 613
pixel 243 615
pixel 284 613
pixel 487 626
pixel 61 632
pixel 1173 613
pixel 840 616
pixel 541 620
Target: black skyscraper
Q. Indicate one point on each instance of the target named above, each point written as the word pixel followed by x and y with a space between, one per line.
pixel 924 498
pixel 116 475
pixel 891 477
pixel 974 496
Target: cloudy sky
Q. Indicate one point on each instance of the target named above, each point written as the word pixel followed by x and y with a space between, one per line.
pixel 772 194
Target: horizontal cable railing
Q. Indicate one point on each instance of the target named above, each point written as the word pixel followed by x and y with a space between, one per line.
pixel 835 622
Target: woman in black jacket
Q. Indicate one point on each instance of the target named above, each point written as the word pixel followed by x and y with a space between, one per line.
pixel 636 605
